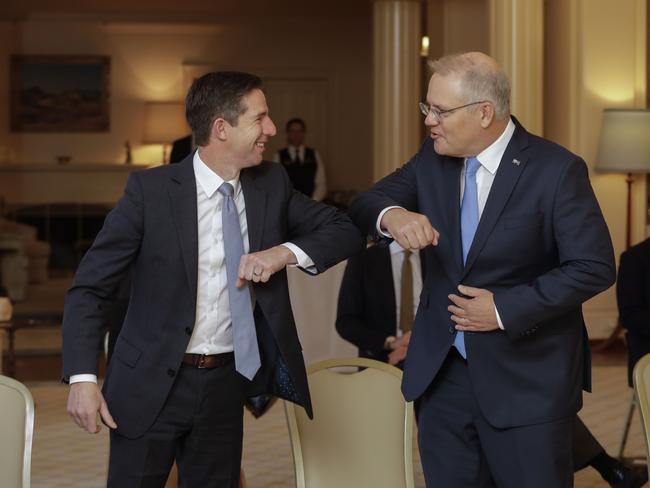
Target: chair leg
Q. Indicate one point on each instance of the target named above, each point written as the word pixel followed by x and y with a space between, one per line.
pixel 628 422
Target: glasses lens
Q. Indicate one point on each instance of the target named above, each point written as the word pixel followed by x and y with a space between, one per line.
pixel 424 108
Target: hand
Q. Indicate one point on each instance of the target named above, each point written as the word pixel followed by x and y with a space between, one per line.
pixel 259 266
pixel 396 355
pixel 85 400
pixel 476 313
pixel 403 340
pixel 400 347
pixel 411 230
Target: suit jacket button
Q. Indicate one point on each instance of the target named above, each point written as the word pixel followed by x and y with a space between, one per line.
pixel 452 329
pixel 171 372
pixel 188 331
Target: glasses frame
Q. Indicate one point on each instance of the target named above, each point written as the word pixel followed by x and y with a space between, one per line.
pixel 438 115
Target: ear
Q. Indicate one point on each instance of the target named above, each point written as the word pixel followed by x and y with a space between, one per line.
pixel 486 112
pixel 219 129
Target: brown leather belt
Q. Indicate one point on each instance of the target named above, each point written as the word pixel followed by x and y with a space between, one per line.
pixel 202 361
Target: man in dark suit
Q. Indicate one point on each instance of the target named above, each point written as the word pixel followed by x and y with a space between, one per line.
pixel 633 297
pixel 514 242
pixel 372 312
pixel 180 149
pixel 209 320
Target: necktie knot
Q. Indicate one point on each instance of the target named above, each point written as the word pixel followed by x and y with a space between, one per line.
pixel 226 189
pixel 473 164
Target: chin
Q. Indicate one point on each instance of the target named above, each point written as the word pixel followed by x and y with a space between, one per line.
pixel 440 147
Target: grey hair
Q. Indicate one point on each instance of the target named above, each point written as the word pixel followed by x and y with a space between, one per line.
pixel 480 80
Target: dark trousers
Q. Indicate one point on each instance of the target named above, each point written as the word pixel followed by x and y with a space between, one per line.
pixel 460 449
pixel 585 445
pixel 200 426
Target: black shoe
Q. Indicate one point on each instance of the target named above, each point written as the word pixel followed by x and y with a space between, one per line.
pixel 626 476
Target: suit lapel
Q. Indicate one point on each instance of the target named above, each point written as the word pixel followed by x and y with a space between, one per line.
pixel 450 202
pixel 510 168
pixel 182 193
pixel 255 198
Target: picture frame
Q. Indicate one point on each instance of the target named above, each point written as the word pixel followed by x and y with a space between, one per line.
pixel 60 93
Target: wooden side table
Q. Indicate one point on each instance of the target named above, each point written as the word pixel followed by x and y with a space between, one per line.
pixel 10 328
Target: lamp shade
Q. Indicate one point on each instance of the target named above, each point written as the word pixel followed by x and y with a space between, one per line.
pixel 624 141
pixel 164 122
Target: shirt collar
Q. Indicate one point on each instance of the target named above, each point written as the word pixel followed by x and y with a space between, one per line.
pixel 491 156
pixel 210 181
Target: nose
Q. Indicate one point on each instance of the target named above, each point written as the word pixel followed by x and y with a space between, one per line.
pixel 430 120
pixel 269 128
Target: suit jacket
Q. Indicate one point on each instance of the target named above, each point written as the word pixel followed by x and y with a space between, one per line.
pixel 367 312
pixel 633 296
pixel 153 231
pixel 541 247
pixel 181 148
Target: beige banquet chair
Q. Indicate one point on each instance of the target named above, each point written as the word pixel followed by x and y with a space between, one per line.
pixel 642 390
pixel 16 427
pixel 362 432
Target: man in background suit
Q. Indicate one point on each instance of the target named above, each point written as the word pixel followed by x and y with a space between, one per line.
pixel 303 164
pixel 373 313
pixel 180 149
pixel 633 297
pixel 209 320
pixel 514 242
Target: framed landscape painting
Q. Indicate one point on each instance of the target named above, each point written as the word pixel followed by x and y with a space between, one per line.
pixel 60 93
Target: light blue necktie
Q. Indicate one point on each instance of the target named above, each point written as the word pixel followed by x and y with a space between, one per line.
pixel 468 225
pixel 247 354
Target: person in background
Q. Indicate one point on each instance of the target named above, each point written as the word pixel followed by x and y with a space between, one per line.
pixel 181 148
pixel 379 295
pixel 633 298
pixel 303 164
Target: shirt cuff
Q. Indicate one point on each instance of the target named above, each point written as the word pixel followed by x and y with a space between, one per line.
pixel 80 378
pixel 381 214
pixel 304 261
pixel 499 319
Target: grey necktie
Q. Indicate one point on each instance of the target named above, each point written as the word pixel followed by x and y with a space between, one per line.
pixel 247 354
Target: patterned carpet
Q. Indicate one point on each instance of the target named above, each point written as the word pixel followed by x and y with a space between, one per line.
pixel 64 456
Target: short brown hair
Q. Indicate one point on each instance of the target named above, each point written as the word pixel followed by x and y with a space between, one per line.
pixel 217 95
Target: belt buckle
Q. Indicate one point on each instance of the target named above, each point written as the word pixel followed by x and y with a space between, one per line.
pixel 201 362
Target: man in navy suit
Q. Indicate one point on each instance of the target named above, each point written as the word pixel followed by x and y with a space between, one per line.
pixel 514 242
pixel 202 330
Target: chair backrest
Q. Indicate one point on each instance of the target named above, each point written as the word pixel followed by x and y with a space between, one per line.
pixel 17 427
pixel 642 392
pixel 362 432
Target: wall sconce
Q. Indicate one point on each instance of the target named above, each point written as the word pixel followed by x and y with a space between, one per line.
pixel 424 46
pixel 164 122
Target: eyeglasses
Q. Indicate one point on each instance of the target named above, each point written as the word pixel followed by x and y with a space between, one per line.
pixel 438 115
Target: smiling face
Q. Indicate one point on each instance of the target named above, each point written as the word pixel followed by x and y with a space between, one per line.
pixel 457 133
pixel 247 139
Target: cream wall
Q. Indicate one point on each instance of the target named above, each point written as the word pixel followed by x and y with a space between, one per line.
pixel 596 55
pixel 457 26
pixel 147 64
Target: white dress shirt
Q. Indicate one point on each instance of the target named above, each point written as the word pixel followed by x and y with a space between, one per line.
pixel 397 254
pixel 490 158
pixel 212 330
pixel 320 185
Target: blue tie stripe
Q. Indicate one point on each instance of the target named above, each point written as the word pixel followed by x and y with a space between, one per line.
pixel 247 354
pixel 468 225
